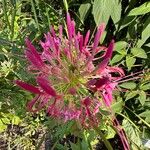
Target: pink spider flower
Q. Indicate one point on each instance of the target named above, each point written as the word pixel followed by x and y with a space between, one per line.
pixel 69 84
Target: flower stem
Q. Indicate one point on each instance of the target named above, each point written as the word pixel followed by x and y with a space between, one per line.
pixel 35 15
pixel 4 3
pixel 106 142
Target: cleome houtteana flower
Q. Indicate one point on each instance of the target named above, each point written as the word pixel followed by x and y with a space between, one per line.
pixel 71 85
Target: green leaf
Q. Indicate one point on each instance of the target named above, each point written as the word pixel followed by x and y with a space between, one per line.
pixel 141 10
pixel 103 37
pixel 84 145
pixel 120 45
pixel 116 11
pixel 142 97
pixel 130 60
pixel 2 126
pixel 148 45
pixel 101 11
pixel 117 106
pixel 66 5
pixel 138 52
pixel 131 95
pixel 5 120
pixel 110 133
pixel 145 33
pixel 83 11
pixel 16 120
pixel 145 87
pixel 104 112
pixel 146 114
pixel 5 42
pixel 116 59
pixel 75 146
pixel 128 85
pixel 132 134
pixel 126 21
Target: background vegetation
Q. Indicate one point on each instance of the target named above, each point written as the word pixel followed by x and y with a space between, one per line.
pixel 127 21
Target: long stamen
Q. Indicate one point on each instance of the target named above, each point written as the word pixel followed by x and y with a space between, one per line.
pixel 130 75
pixel 134 78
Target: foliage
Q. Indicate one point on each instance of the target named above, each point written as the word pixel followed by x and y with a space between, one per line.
pixel 128 22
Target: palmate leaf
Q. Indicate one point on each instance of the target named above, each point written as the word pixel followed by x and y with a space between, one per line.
pixel 120 45
pixel 133 135
pixel 128 85
pixel 145 33
pixel 130 95
pixel 142 97
pixel 130 61
pixel 103 9
pixel 116 11
pixel 146 115
pixel 139 52
pixel 117 106
pixel 116 59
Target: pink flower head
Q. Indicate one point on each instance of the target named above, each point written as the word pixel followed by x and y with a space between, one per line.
pixel 69 85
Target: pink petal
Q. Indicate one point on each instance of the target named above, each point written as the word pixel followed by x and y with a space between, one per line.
pixel 34 60
pixel 28 87
pixel 87 38
pixel 87 101
pixel 31 103
pixel 53 32
pixel 100 82
pixel 81 43
pixel 101 67
pixel 109 50
pixel 44 84
pixel 60 31
pixel 117 70
pixel 69 26
pixel 107 93
pixel 98 35
pixel 32 49
pixel 52 42
pixel 73 27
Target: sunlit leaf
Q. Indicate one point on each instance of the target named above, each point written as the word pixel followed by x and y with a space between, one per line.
pixel 83 11
pixel 101 11
pixel 116 59
pixel 128 85
pixel 139 52
pixel 142 97
pixel 131 95
pixel 145 33
pixel 130 60
pixel 117 106
pixel 141 10
pixel 116 11
pixel 133 135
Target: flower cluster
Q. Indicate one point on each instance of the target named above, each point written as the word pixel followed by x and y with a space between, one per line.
pixel 70 86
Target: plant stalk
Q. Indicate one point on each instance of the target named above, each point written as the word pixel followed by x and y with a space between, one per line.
pixel 106 142
pixel 4 3
pixel 35 15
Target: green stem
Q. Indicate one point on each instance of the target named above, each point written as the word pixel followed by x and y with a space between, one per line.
pixel 138 117
pixel 106 142
pixel 35 15
pixel 47 15
pixel 13 21
pixel 5 13
pixel 54 145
